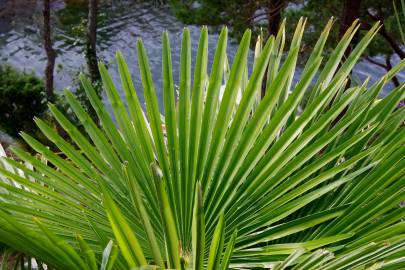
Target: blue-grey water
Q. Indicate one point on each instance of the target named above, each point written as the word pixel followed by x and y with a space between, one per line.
pixel 121 22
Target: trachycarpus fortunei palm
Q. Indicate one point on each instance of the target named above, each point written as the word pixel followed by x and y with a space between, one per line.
pixel 228 184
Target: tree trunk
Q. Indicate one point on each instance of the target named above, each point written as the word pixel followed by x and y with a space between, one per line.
pixel 395 80
pixel 50 52
pixel 351 12
pixel 50 64
pixel 91 52
pixel 274 8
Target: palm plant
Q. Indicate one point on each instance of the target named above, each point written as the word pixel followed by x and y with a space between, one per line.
pixel 218 182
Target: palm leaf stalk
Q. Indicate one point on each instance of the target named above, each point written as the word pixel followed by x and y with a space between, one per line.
pixel 224 179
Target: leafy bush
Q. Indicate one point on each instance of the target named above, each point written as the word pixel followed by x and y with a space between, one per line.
pixel 21 99
pixel 220 182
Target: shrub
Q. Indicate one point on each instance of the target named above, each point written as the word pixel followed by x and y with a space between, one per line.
pixel 21 99
pixel 220 182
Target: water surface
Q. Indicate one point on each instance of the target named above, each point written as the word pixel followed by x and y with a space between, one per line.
pixel 121 23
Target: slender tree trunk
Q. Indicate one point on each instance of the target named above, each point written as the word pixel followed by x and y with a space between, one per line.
pixel 91 51
pixel 395 80
pixel 351 12
pixel 274 8
pixel 50 52
pixel 50 64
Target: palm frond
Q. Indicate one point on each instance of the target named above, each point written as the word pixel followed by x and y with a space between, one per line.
pixel 219 182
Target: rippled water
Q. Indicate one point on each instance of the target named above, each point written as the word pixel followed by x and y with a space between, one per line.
pixel 121 23
pixel 120 26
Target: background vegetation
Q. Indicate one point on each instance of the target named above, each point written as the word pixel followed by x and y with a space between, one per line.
pixel 265 16
pixel 22 97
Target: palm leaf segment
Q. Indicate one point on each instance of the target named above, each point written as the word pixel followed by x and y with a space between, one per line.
pixel 226 179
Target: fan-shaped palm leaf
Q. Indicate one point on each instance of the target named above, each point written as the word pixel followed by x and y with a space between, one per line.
pixel 220 182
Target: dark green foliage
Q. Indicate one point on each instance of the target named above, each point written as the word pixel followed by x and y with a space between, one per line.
pixel 22 97
pixel 2 247
pixel 239 14
pixel 318 11
pixel 234 13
